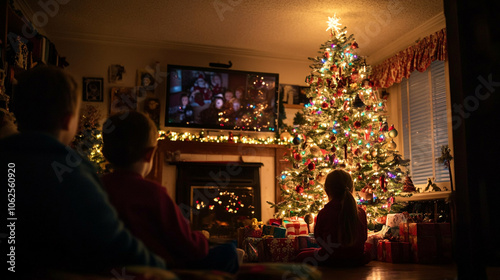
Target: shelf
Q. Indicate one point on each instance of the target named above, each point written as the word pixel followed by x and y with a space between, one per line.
pixel 294 106
pixel 425 196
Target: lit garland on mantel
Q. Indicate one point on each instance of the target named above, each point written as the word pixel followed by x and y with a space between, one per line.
pixel 230 138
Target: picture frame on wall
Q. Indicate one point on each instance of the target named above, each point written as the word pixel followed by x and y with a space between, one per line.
pixel 122 99
pixel 290 93
pixel 92 89
pixel 303 99
pixel 145 83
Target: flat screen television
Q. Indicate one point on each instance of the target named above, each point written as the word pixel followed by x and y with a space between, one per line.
pixel 209 98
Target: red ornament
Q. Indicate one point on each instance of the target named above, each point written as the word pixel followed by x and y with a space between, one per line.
pixel 357 124
pixel 298 157
pixel 333 138
pixel 345 118
pixel 354 45
pixel 311 166
pixel 299 189
pixel 333 149
pixel 324 105
pixel 327 55
pixel 368 108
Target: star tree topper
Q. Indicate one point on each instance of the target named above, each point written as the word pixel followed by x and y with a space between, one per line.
pixel 334 23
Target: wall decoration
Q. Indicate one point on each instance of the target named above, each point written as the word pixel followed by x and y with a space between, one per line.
pixel 152 109
pixel 294 94
pixel 122 99
pixel 145 83
pixel 303 99
pixel 115 73
pixel 92 89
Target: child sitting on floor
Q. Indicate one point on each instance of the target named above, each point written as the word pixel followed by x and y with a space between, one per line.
pixel 129 144
pixel 340 228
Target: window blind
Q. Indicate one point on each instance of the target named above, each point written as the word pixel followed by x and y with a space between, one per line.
pixel 425 128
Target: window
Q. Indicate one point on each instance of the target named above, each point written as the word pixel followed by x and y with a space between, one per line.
pixel 425 124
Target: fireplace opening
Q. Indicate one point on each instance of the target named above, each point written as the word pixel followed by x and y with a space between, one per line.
pixel 221 210
pixel 221 196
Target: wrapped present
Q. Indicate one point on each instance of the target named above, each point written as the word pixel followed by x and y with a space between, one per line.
pixel 397 252
pixel 430 242
pixel 393 220
pixel 404 234
pixel 254 249
pixel 277 232
pixel 295 226
pixel 372 242
pixel 381 250
pixel 307 242
pixel 252 232
pixel 279 249
pixel 275 222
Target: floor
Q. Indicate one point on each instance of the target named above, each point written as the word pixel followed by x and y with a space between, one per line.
pixel 376 270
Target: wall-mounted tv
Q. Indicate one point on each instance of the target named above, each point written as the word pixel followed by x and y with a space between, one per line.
pixel 221 99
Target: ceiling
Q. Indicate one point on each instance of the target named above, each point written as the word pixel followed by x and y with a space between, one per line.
pixel 287 29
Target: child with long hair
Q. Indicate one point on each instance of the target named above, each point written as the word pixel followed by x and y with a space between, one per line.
pixel 340 228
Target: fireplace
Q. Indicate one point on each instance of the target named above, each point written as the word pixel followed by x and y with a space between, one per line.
pixel 218 196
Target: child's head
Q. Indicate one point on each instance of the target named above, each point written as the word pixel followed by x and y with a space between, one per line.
pixel 338 183
pixel 184 99
pixel 128 138
pixel 45 99
pixel 236 104
pixel 238 93
pixel 216 80
pixel 219 102
pixel 228 95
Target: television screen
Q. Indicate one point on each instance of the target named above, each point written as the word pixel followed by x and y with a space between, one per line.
pixel 221 99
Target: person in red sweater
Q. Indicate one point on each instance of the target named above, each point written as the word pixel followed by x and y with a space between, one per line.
pixel 129 144
pixel 340 229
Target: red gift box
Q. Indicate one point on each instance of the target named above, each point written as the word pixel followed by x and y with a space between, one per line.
pixel 397 252
pixel 430 242
pixel 381 250
pixel 404 233
pixel 295 226
pixel 280 249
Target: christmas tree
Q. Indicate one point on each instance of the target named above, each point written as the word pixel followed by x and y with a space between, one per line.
pixel 343 126
pixel 88 139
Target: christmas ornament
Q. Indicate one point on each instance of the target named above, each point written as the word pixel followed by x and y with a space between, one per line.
pixel 345 118
pixel 285 136
pixel 357 124
pixel 299 189
pixel 324 105
pixel 333 138
pixel 315 151
pixel 297 157
pixel 297 140
pixel 311 166
pixel 392 132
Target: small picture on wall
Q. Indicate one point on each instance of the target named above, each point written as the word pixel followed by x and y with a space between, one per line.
pixel 145 83
pixel 122 99
pixel 92 89
pixel 115 73
pixel 303 99
pixel 152 109
pixel 290 93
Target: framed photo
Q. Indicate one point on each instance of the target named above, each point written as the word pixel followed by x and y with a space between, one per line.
pixel 145 83
pixel 92 89
pixel 122 99
pixel 303 99
pixel 290 93
pixel 115 73
pixel 152 109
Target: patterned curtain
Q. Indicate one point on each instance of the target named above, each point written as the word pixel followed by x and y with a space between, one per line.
pixel 417 57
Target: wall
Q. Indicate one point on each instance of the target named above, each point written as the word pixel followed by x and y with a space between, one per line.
pixel 92 59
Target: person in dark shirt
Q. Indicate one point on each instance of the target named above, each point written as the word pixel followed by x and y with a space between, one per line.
pixel 64 221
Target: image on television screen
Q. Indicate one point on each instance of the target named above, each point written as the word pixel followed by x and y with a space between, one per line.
pixel 221 99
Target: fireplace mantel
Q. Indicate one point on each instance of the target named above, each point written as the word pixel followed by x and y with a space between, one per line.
pixel 210 148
